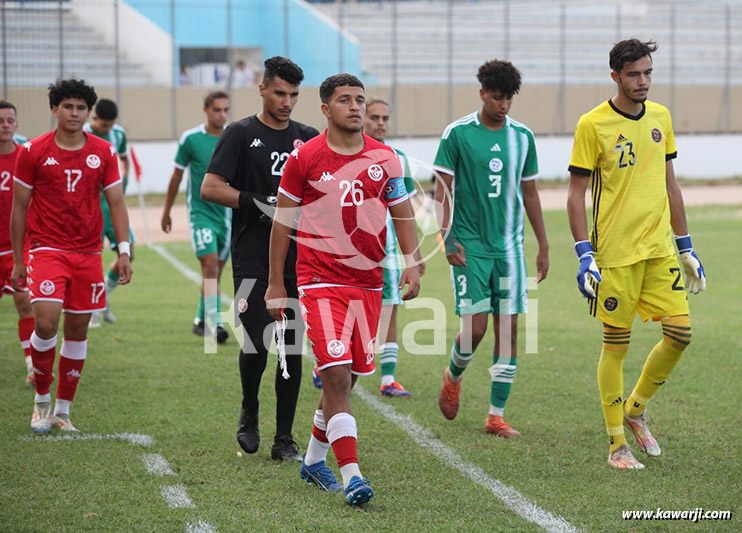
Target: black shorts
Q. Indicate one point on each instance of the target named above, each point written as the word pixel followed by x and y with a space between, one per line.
pixel 251 312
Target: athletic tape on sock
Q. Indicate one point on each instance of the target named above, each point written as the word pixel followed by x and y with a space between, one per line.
pixel 341 425
pixel 43 345
pixel 319 420
pixel 76 350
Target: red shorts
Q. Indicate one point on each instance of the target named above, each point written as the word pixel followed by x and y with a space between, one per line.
pixel 341 326
pixel 75 280
pixel 6 272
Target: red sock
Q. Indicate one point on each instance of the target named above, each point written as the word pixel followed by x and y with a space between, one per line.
pixel 43 364
pixel 69 376
pixel 345 450
pixel 25 328
pixel 319 434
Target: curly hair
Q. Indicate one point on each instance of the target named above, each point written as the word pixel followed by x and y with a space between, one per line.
pixel 328 86
pixel 283 68
pixel 629 51
pixel 500 76
pixel 71 88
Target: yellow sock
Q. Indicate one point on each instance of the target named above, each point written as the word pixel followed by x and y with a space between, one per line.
pixel 676 335
pixel 610 381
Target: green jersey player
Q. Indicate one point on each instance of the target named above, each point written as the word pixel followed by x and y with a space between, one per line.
pixel 104 126
pixel 211 224
pixel 488 161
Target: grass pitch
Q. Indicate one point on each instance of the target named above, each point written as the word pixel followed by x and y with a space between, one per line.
pixel 148 374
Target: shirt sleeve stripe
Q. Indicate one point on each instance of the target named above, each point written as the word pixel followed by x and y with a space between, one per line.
pixel 287 194
pixel 530 178
pixel 398 200
pixel 579 170
pixel 673 155
pixel 178 165
pixel 439 168
pixel 112 184
pixel 26 185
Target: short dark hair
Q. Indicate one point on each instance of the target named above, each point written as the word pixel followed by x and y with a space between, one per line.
pixel 283 68
pixel 500 76
pixel 106 109
pixel 328 86
pixel 629 51
pixel 4 104
pixel 71 88
pixel 214 95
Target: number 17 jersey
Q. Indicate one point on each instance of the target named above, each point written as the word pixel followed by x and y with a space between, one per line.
pixel 488 168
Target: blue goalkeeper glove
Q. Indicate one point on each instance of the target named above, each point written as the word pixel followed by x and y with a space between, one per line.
pixel 695 277
pixel 588 269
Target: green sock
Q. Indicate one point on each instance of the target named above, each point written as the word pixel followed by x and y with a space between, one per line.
pixel 503 373
pixel 459 362
pixel 200 310
pixel 388 359
pixel 112 281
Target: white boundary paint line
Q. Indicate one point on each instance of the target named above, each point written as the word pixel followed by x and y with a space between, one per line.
pixel 512 499
pixel 157 465
pixel 139 439
pixel 200 527
pixel 509 496
pixel 195 277
pixel 176 497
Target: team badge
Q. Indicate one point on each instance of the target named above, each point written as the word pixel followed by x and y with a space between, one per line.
pixel 47 287
pixel 335 348
pixel 656 135
pixel 610 304
pixel 375 172
pixel 495 164
pixel 242 305
pixel 93 161
pixel 298 143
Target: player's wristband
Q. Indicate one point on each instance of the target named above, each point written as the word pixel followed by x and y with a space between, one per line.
pixel 124 248
pixel 683 243
pixel 449 243
pixel 583 248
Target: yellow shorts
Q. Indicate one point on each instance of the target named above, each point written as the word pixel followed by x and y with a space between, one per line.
pixel 653 288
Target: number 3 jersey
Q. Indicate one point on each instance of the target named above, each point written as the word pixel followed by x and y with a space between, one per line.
pixel 342 215
pixel 488 167
pixel 625 157
pixel 64 213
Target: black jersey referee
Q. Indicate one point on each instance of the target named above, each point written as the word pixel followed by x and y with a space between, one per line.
pixel 244 174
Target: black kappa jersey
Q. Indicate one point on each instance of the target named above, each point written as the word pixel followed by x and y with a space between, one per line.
pixel 251 156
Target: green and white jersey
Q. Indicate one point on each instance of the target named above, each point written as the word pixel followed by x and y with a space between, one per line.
pixel 488 168
pixel 195 148
pixel 117 137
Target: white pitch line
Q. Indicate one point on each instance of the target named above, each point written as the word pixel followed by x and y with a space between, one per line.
pixel 138 439
pixel 509 496
pixel 200 527
pixel 156 464
pixel 512 499
pixel 195 277
pixel 176 497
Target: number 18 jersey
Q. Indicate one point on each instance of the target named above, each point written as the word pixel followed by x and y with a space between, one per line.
pixel 64 213
pixel 488 167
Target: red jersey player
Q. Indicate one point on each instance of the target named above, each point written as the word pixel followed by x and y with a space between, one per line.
pixel 344 182
pixel 63 172
pixel 8 152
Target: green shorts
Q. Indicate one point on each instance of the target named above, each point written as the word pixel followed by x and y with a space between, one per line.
pixel 391 295
pixel 490 285
pixel 210 238
pixel 108 232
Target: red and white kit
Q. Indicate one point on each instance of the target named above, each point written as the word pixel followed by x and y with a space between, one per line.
pixel 64 222
pixel 341 243
pixel 7 165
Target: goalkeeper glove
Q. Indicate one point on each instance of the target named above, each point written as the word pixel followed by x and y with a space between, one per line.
pixel 695 277
pixel 588 269
pixel 263 205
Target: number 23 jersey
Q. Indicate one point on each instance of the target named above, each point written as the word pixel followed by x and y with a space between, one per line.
pixel 64 213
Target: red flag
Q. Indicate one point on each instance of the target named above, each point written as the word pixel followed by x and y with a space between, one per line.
pixel 137 166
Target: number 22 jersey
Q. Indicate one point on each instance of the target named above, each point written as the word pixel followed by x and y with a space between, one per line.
pixel 64 213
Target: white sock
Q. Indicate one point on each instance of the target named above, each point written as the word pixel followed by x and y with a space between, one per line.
pixel 386 380
pixel 348 472
pixel 62 407
pixel 496 411
pixel 316 451
pixel 41 398
pixel 29 363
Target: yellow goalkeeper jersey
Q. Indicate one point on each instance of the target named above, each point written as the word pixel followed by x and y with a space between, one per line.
pixel 625 157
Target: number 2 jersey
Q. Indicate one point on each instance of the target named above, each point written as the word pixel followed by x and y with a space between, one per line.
pixel 64 213
pixel 7 165
pixel 625 157
pixel 342 216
